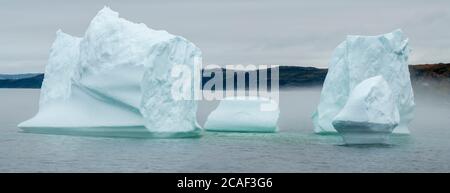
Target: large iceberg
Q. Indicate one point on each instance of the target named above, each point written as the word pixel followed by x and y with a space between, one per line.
pixel 359 58
pixel 114 81
pixel 370 114
pixel 243 114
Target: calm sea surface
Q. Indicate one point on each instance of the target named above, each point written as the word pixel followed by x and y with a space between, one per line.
pixel 294 149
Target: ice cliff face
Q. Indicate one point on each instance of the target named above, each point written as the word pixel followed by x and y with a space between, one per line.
pixel 117 75
pixel 60 69
pixel 359 58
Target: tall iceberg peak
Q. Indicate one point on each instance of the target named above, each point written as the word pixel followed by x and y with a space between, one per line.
pixel 359 58
pixel 115 79
pixel 62 63
pixel 110 41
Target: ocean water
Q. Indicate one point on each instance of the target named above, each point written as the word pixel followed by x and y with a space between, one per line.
pixel 294 149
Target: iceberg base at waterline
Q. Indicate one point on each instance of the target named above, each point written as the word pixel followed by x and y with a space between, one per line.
pixel 354 133
pixel 122 132
pixel 83 115
pixel 236 114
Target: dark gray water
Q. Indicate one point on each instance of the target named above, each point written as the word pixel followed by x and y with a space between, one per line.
pixel 294 149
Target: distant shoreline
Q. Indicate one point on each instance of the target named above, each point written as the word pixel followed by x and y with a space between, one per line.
pixel 289 76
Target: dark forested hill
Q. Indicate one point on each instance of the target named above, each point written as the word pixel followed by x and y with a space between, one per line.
pixel 437 75
pixel 32 80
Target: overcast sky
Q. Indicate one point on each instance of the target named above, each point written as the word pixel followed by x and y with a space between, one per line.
pixel 289 32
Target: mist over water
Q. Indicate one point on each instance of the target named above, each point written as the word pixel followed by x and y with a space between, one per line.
pixel 294 149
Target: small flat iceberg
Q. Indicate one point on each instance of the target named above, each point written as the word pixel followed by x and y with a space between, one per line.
pixel 115 81
pixel 240 114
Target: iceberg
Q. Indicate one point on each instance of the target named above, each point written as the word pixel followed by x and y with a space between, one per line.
pixel 115 81
pixel 240 114
pixel 370 114
pixel 357 59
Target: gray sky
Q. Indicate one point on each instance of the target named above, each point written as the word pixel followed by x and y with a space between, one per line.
pixel 291 32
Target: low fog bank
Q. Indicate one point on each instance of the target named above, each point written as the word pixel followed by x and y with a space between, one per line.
pixel 296 106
